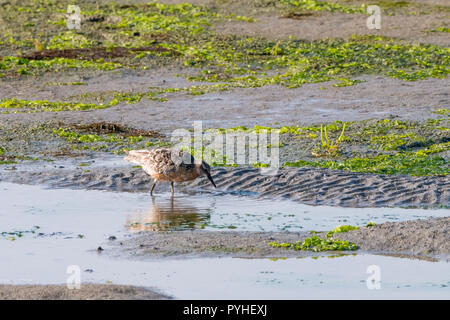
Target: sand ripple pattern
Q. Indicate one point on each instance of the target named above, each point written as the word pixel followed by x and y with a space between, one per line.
pixel 307 185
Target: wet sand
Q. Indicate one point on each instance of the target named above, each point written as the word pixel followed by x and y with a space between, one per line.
pixel 419 238
pixel 312 186
pixel 429 237
pixel 199 243
pixel 377 98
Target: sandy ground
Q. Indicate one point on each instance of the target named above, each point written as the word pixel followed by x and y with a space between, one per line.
pixel 86 292
pixel 306 185
pixel 421 238
pixel 327 25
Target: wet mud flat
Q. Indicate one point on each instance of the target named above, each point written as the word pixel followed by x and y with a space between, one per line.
pixel 376 97
pixel 199 243
pixel 421 238
pixel 429 237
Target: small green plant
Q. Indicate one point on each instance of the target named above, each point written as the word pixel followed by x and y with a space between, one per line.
pixel 328 148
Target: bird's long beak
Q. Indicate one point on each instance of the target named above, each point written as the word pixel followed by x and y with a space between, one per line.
pixel 211 179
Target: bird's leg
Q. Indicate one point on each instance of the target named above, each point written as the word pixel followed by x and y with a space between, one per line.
pixel 153 187
pixel 171 187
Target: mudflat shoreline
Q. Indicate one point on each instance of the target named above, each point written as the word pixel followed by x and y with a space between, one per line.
pixel 427 238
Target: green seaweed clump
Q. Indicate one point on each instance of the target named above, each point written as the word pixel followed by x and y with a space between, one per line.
pixel 317 244
pixel 23 66
pixel 13 235
pixel 414 164
pixel 441 29
pixel 344 228
pixel 44 105
pixel 314 5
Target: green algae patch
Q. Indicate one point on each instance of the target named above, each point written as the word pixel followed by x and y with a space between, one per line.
pixel 254 62
pixel 314 5
pixel 44 105
pixel 5 159
pixel 111 26
pixel 341 229
pixel 112 142
pixel 402 163
pixel 394 141
pixel 13 65
pixel 344 228
pixel 294 129
pixel 317 244
pixel 181 35
pixel 441 29
pixel 14 235
pixel 371 146
pixel 388 7
pixel 390 147
pixel 31 106
pixel 3 162
pixel 436 148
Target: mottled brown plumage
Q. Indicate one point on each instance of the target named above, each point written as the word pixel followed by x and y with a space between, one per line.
pixel 164 164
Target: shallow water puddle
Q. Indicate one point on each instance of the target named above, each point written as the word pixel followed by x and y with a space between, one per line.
pixel 232 278
pixel 80 212
pixel 64 227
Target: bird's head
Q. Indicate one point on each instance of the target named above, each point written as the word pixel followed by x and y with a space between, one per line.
pixel 205 169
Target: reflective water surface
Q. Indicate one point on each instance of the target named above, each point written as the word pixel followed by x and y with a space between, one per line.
pixel 44 231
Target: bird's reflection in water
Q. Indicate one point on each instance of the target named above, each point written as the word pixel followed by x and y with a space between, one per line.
pixel 169 214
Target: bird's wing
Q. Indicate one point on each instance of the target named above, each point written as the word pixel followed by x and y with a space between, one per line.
pixel 161 160
pixel 138 156
pixel 154 161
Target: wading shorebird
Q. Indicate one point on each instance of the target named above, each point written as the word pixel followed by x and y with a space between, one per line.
pixel 164 164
